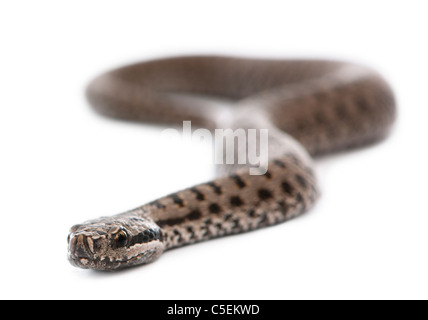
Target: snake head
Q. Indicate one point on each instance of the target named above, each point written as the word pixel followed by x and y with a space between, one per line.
pixel 112 243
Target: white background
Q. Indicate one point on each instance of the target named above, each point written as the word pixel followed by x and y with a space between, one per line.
pixel 61 164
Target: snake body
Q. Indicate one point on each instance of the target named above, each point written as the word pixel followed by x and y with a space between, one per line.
pixel 310 108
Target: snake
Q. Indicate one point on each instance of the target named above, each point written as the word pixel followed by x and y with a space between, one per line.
pixel 309 107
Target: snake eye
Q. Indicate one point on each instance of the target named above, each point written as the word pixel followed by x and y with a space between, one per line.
pixel 120 238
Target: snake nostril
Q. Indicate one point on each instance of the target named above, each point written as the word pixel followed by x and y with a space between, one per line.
pixel 98 245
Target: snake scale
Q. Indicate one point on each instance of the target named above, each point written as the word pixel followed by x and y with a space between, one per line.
pixel 310 108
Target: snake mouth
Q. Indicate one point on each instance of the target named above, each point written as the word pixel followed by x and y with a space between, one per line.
pixel 108 264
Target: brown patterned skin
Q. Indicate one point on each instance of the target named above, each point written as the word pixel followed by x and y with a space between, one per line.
pixel 309 107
